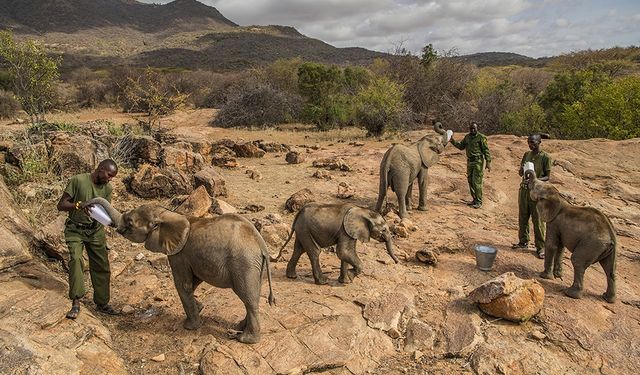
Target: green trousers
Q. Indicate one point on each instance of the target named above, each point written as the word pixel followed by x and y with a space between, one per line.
pixel 475 170
pixel 94 241
pixel 526 209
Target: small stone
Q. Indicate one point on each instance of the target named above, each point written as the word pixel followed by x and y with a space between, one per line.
pixel 538 335
pixel 159 358
pixel 128 309
pixel 417 355
pixel 139 257
pixel 393 333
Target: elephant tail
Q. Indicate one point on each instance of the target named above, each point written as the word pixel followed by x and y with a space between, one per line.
pixel 277 258
pixel 267 265
pixel 384 181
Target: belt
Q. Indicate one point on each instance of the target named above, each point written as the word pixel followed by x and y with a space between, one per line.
pixel 93 225
pixel 475 158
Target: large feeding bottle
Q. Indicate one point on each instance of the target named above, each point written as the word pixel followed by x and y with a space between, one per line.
pixel 98 213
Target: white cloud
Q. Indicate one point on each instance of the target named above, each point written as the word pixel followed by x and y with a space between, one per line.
pixel 532 27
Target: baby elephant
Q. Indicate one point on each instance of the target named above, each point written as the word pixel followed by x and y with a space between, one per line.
pixel 585 231
pixel 226 251
pixel 320 225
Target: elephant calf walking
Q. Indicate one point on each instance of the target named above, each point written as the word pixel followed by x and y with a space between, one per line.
pixel 402 164
pixel 585 231
pixel 225 251
pixel 319 225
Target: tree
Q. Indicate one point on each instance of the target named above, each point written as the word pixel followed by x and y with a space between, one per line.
pixel 380 107
pixel 428 55
pixel 322 88
pixel 33 75
pixel 610 111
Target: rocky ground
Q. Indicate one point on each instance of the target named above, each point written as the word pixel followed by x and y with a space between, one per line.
pixel 393 319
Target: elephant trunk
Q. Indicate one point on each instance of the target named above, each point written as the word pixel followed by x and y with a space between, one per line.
pixel 390 249
pixel 437 127
pixel 114 214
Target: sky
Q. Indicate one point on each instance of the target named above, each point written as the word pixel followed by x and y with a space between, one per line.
pixel 534 28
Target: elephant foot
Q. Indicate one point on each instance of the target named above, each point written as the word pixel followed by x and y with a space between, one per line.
pixel 546 275
pixel 609 297
pixel 192 324
pixel 573 293
pixel 557 274
pixel 345 279
pixel 422 207
pixel 248 338
pixel 292 275
pixel 322 281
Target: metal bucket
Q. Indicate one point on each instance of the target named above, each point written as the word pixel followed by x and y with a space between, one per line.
pixel 485 256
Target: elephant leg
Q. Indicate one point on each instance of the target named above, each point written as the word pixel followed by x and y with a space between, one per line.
pixel 183 280
pixel 248 290
pixel 313 251
pixel 346 252
pixel 423 183
pixel 293 262
pixel 609 266
pixel 407 198
pixel 196 283
pixel 551 249
pixel 401 194
pixel 557 262
pixel 579 267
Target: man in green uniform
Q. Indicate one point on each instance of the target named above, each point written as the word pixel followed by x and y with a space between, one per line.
pixel 82 231
pixel 478 158
pixel 526 207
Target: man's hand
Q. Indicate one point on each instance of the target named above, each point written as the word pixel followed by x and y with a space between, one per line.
pixel 488 167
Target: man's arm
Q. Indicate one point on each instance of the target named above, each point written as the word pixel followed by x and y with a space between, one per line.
pixel 66 203
pixel 546 169
pixel 459 145
pixel 520 171
pixel 484 148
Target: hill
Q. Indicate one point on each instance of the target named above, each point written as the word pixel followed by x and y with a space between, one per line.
pixel 501 58
pixel 183 33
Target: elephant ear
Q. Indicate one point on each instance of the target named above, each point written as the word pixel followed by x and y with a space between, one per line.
pixel 548 203
pixel 429 152
pixel 356 224
pixel 169 233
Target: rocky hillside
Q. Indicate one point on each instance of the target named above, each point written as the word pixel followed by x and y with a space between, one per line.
pixel 393 319
pixel 182 34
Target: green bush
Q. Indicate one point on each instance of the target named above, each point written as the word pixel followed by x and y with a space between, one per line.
pixel 379 106
pixel 609 111
pixel 322 88
pixel 566 89
pixel 527 120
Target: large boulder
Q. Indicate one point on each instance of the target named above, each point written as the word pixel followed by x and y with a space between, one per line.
pixel 72 153
pixel 182 159
pixel 299 199
pixel 222 156
pixel 16 235
pixel 138 150
pixel 152 182
pixel 197 204
pixel 248 150
pixel 50 238
pixel 509 297
pixel 212 181
pixel 294 157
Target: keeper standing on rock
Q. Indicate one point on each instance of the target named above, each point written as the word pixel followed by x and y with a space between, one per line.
pixel 81 231
pixel 478 159
pixel 527 207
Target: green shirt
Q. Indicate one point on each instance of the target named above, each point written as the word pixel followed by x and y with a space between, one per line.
pixel 81 188
pixel 476 146
pixel 541 162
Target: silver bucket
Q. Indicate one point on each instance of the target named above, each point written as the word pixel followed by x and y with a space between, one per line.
pixel 485 256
